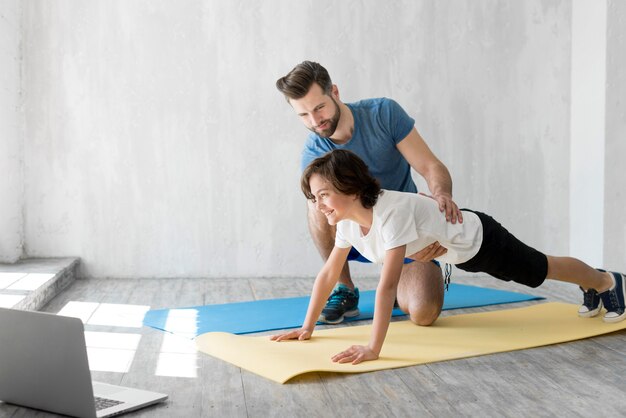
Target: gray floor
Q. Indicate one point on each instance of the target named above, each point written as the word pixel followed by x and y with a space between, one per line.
pixel 581 378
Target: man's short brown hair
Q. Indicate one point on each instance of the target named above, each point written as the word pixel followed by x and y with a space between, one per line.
pixel 297 83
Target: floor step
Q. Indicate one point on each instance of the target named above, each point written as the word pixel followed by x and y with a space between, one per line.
pixel 31 283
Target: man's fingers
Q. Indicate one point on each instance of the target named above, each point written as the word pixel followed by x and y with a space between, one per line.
pixel 432 251
pixel 452 212
pixel 440 251
pixel 426 254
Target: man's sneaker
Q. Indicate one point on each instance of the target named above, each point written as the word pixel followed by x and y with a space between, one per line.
pixel 613 299
pixel 342 303
pixel 592 304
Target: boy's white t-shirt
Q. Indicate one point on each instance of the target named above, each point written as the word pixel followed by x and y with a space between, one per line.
pixel 413 220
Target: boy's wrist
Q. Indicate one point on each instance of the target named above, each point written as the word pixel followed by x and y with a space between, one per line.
pixel 375 350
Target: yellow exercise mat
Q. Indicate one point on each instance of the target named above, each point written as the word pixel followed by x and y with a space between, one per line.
pixel 453 337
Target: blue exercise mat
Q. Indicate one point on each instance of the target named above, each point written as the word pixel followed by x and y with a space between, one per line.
pixel 272 314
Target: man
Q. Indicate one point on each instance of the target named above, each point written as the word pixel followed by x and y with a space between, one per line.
pixel 384 136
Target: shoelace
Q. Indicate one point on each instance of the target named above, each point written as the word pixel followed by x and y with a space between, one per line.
pixel 615 301
pixel 447 274
pixel 337 298
pixel 588 297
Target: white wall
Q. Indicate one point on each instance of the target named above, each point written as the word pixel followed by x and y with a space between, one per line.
pixel 11 140
pixel 588 122
pixel 491 96
pixel 615 169
pixel 157 145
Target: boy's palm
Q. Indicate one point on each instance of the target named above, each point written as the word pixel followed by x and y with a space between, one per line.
pixel 298 334
pixel 355 354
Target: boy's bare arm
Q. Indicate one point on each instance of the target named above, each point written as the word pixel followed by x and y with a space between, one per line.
pixel 385 295
pixel 324 283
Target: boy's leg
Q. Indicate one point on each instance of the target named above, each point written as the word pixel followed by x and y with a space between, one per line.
pixel 507 258
pixel 572 270
pixel 420 292
pixel 598 286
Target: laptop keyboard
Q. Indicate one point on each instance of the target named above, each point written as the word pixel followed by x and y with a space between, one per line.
pixel 102 403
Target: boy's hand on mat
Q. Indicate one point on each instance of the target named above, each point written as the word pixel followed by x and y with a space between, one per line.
pixel 355 354
pixel 298 334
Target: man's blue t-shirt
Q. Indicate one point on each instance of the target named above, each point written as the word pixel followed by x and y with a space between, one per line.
pixel 379 124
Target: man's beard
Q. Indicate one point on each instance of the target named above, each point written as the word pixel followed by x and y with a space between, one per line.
pixel 332 123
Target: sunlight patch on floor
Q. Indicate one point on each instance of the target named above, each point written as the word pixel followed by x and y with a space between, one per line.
pixel 107 314
pixel 9 301
pixel 111 351
pixel 178 356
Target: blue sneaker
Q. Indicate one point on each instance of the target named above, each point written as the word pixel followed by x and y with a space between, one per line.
pixel 613 299
pixel 342 303
pixel 592 304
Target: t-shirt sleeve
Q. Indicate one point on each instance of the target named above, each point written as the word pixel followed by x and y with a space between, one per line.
pixel 340 239
pixel 397 121
pixel 307 156
pixel 313 147
pixel 398 228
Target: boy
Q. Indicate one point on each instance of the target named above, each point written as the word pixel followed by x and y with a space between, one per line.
pixel 386 226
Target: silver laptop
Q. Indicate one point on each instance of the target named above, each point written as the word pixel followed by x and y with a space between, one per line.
pixel 43 365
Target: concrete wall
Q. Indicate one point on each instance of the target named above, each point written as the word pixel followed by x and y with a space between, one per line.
pixel 587 132
pixel 157 146
pixel 615 168
pixel 11 140
pixel 491 97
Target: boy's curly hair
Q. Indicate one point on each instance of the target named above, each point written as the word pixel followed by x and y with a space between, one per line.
pixel 347 173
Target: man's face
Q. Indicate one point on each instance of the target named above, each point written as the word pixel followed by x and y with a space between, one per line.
pixel 319 112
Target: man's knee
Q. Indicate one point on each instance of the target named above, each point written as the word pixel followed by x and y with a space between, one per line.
pixel 424 315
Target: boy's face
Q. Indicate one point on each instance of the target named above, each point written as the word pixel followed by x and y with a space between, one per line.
pixel 319 112
pixel 335 205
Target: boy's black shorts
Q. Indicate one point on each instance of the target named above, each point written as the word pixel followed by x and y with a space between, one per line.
pixel 505 257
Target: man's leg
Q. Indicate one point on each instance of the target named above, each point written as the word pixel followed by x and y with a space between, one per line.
pixel 344 301
pixel 323 236
pixel 420 292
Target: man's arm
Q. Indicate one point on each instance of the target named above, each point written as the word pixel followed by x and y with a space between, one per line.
pixel 422 159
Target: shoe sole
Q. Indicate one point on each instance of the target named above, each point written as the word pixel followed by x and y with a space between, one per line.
pixel 623 315
pixel 591 314
pixel 348 314
pixel 615 318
